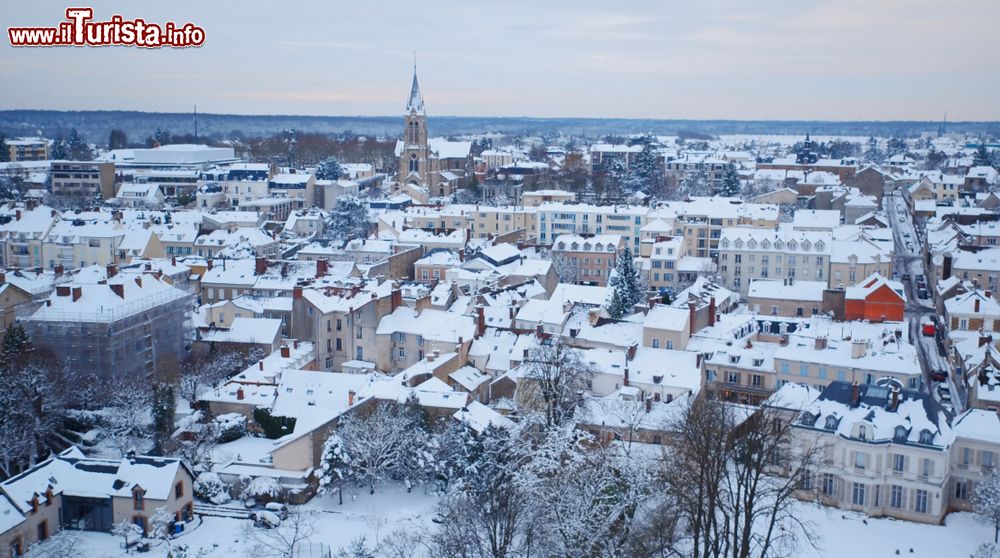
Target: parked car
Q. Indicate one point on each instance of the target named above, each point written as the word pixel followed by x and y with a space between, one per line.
pixel 902 219
pixel 277 508
pixel 938 376
pixel 265 519
pixel 927 327
pixel 921 278
pixel 943 393
pixel 906 277
pixel 923 294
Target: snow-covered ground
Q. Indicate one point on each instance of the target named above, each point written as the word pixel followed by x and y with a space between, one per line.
pixel 391 510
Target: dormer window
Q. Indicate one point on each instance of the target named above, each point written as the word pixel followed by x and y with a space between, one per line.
pixel 725 244
pixel 926 437
pixel 792 245
pixel 831 423
pixel 752 244
pixel 805 244
pixel 900 434
pixel 738 244
pixel 862 432
pixel 137 499
pixel 765 244
pixel 778 245
pixel 819 246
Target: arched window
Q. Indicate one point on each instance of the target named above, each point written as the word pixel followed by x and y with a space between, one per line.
pixel 413 163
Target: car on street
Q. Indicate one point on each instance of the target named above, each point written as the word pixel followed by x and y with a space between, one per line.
pixel 943 393
pixel 927 327
pixel 902 219
pixel 938 375
pixel 923 294
pixel 906 277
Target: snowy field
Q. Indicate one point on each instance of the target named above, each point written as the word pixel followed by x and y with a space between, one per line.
pixel 391 510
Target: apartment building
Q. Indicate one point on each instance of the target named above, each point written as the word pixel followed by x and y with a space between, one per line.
pixel 748 254
pixel 86 179
pixel 884 451
pixel 555 219
pixel 591 259
pixel 27 149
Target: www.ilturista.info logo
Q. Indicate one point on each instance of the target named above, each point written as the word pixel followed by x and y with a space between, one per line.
pixel 79 30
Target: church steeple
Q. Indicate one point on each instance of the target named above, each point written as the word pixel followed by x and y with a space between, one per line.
pixel 416 102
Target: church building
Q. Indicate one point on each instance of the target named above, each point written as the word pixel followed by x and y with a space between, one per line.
pixel 434 166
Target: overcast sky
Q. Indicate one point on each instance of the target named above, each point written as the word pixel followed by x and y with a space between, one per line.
pixel 765 59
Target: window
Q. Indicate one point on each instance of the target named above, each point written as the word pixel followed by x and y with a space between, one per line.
pixel 806 481
pixel 733 377
pixel 656 343
pixel 896 496
pixel 137 502
pixel 179 489
pixel 756 380
pixel 898 462
pixel 339 348
pixel 842 375
pixel 858 494
pixel 961 490
pixel 860 459
pixel 966 456
pixel 987 459
pixel 920 506
pixel 401 353
pixel 828 484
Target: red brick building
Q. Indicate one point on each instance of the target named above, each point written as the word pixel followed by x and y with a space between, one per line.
pixel 875 299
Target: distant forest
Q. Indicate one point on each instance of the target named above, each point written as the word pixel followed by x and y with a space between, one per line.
pixel 96 126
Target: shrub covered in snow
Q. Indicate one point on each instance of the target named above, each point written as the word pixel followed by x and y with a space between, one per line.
pixel 208 486
pixel 230 426
pixel 261 488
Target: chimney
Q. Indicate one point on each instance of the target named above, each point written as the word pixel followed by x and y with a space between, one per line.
pixel 239 393
pixel 53 213
pixel 350 398
pixel 17 215
pixel 58 270
pixel 988 294
pixel 711 311
pixel 209 265
pixel 592 316
pixel 649 404
pixel 858 348
pixel 295 343
pixel 173 260
pixel 783 342
pixel 480 321
pixel 260 266
pixel 322 266
pixel 297 291
pixel 625 379
pixel 260 364
pixel 397 298
pixel 630 353
pixel 539 329
pixel 894 402
pixel 285 352
pixel 118 289
pixel 3 278
pixel 62 290
pixel 946 267
pixel 148 266
pixel 975 307
pixel 984 339
pixel 112 270
pixel 692 316
pixel 855 393
pixel 77 293
pixel 820 342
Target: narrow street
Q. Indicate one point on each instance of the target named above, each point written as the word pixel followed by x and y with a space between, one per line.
pixel 908 265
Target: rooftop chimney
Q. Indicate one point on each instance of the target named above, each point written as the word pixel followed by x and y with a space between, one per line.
pixel 625 378
pixel 692 316
pixel 820 342
pixel 322 266
pixel 711 312
pixel 894 401
pixel 173 260
pixel 58 270
pixel 17 215
pixel 209 264
pixel 858 348
pixel 260 364
pixel 3 277
pixel 239 393
pixel 112 270
pixel 649 404
pixel 285 352
pixel 855 393
pixel 297 291
pixel 480 321
pixel 260 266
pixel 350 398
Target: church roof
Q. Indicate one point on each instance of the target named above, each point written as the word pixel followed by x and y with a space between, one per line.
pixel 416 102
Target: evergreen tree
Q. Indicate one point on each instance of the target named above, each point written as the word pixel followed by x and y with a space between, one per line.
pixel 627 286
pixel 79 149
pixel 117 139
pixel 4 149
pixel 730 182
pixel 348 219
pixel 329 170
pixel 16 345
pixel 982 156
pixel 161 137
pixel 164 405
pixel 60 151
pixel 645 171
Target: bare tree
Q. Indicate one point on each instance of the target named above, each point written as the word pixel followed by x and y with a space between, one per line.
pixel 285 540
pixel 567 268
pixel 986 501
pixel 554 379
pixel 377 441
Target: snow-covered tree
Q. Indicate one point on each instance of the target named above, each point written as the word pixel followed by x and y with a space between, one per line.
pixel 128 419
pixel 60 545
pixel 358 548
pixel 4 149
pixel 161 524
pixel 261 488
pixel 377 441
pixel 567 268
pixel 986 501
pixel 59 150
pixel 79 149
pixel 730 182
pixel 348 219
pixel 645 170
pixel 329 170
pixel 336 465
pixel 554 377
pixel 127 530
pixel 626 285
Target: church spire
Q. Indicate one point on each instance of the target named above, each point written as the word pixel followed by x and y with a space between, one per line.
pixel 416 102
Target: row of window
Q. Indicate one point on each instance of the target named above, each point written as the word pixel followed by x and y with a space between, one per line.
pixel 868 496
